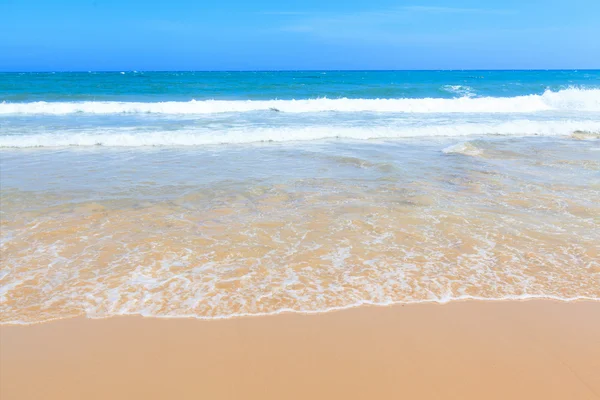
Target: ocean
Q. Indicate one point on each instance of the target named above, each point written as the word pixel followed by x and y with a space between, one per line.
pixel 224 194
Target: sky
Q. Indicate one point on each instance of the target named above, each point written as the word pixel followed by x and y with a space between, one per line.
pixel 73 35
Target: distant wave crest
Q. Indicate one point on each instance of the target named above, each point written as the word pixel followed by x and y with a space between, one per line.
pixel 572 99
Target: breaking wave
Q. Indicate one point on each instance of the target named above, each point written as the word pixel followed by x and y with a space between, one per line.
pixel 122 137
pixel 572 99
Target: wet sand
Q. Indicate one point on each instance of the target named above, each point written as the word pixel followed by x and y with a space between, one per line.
pixel 462 350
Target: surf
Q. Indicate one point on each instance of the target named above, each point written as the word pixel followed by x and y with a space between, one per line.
pixel 571 99
pixel 122 137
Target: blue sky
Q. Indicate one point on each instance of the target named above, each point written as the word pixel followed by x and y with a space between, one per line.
pixel 55 35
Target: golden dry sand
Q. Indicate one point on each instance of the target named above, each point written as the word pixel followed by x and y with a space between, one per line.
pixel 466 350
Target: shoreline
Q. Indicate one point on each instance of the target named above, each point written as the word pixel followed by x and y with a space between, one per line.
pixel 579 299
pixel 462 349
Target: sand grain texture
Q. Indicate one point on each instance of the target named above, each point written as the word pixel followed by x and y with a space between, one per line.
pixel 466 350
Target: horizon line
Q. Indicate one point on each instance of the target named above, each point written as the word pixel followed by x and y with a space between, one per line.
pixel 301 70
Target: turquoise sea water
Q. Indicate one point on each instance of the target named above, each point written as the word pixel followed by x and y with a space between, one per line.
pixel 198 108
pixel 185 86
pixel 216 194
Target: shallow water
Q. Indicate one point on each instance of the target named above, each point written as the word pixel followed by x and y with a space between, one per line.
pixel 214 232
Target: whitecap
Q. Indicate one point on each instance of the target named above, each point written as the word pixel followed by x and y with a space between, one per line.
pixel 572 99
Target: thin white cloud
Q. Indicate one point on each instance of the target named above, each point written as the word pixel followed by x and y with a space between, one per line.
pixel 396 11
pixel 383 26
pixel 454 10
pixel 284 12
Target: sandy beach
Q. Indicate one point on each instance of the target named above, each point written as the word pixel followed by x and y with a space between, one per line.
pixel 318 200
pixel 462 350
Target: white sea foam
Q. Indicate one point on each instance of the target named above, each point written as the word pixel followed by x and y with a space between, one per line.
pixel 465 148
pixel 445 300
pixel 122 137
pixel 460 90
pixel 583 135
pixel 568 100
